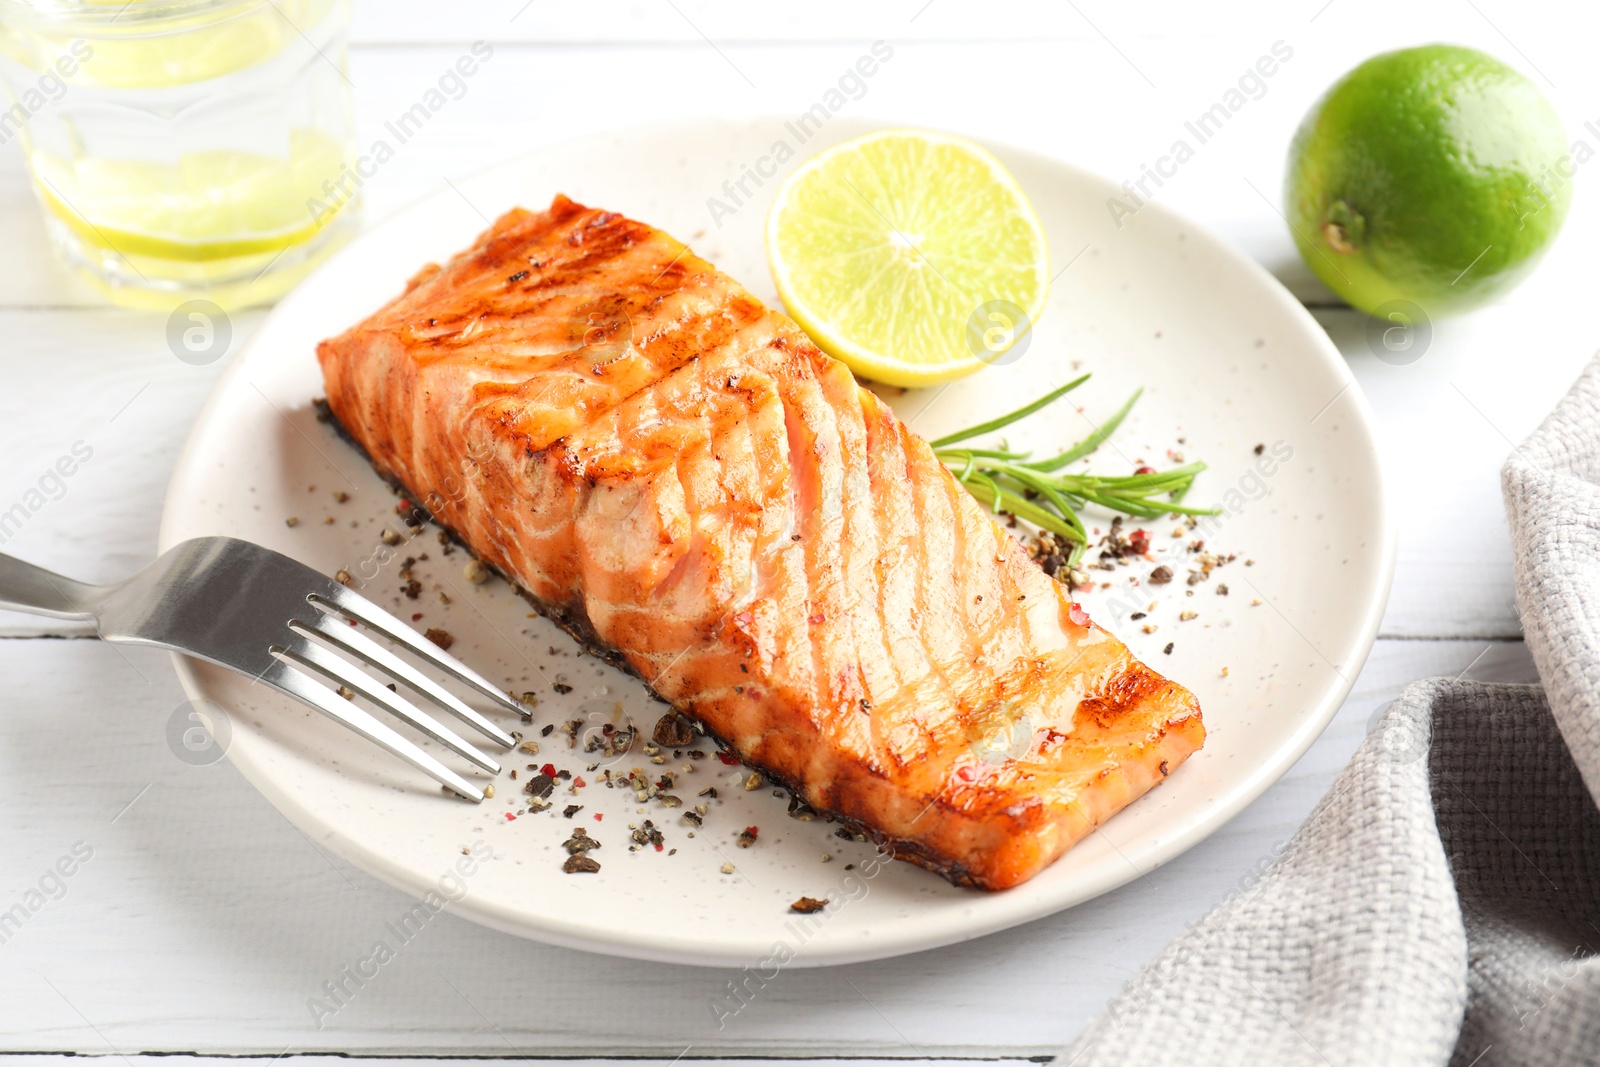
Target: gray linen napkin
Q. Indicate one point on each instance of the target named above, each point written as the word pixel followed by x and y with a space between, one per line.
pixel 1441 905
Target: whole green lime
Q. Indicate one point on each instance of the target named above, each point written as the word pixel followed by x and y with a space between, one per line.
pixel 1434 175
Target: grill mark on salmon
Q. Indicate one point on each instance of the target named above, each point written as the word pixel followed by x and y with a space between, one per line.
pixel 680 478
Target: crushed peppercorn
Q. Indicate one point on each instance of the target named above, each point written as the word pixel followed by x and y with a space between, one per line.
pixel 672 731
pixel 580 841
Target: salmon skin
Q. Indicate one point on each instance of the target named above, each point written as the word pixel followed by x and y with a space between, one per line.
pixel 678 475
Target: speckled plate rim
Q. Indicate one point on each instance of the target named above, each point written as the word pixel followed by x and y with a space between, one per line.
pixel 1002 911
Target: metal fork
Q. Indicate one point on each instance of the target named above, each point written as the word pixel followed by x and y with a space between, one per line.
pixel 260 613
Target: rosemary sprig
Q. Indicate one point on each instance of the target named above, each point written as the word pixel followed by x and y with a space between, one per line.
pixel 1034 491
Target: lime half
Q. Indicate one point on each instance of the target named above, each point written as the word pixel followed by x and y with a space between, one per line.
pixel 912 257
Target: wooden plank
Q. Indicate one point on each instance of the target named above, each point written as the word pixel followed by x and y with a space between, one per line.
pixel 1103 21
pixel 1447 423
pixel 1114 100
pixel 692 22
pixel 203 921
pixel 102 391
pixel 167 1059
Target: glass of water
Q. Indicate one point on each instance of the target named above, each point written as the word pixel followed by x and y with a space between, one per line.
pixel 184 149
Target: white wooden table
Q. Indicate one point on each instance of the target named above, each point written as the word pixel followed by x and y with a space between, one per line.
pixel 203 921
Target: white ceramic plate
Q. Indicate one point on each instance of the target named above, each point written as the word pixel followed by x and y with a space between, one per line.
pixel 1229 361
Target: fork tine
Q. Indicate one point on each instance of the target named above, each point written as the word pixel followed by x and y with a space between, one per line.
pixel 351 641
pixel 342 672
pixel 288 679
pixel 354 606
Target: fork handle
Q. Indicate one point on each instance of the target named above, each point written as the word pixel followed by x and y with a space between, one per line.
pixel 24 587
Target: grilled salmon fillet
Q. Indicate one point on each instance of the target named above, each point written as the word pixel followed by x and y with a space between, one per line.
pixel 676 474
